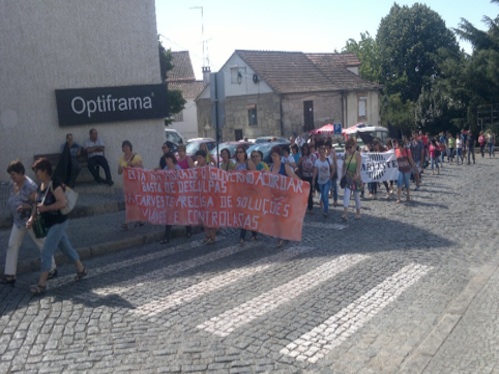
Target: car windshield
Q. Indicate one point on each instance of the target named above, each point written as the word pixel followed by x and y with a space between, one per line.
pixel 192 147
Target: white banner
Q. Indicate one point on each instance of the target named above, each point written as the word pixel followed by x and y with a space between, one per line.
pixel 376 167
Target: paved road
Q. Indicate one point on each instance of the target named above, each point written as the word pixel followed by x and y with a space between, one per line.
pixel 409 288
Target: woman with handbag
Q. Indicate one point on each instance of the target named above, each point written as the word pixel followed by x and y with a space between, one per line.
pixel 22 192
pixel 50 200
pixel 350 179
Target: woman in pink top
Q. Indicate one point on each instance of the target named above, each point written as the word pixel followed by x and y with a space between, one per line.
pixel 433 156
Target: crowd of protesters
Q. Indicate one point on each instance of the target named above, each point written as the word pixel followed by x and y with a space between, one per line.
pixel 315 161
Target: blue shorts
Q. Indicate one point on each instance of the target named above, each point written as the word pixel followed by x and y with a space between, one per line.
pixel 404 179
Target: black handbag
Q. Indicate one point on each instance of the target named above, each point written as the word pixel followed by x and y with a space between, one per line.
pixel 38 226
pixel 343 181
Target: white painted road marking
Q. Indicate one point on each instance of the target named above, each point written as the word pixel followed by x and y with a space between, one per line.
pixel 217 282
pixel 171 270
pixel 227 322
pixel 321 340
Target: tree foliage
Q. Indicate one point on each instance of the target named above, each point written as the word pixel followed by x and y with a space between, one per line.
pixel 366 51
pixel 176 101
pixel 427 81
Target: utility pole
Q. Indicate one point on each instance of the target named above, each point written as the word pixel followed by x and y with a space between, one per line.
pixel 206 60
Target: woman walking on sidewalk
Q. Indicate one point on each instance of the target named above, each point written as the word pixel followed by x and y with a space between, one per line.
pixel 351 170
pixel 50 200
pixel 22 192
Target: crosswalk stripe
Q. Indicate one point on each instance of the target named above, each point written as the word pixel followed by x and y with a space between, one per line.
pixel 183 296
pixel 325 225
pixel 227 322
pixel 322 339
pixel 173 269
pixel 94 272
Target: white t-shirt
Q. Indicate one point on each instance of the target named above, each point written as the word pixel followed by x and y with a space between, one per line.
pixel 323 171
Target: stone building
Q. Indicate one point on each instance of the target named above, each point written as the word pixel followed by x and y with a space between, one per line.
pixel 286 93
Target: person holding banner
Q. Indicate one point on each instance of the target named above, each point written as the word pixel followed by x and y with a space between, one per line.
pixel 210 232
pixel 351 170
pixel 171 164
pixel 278 167
pixel 182 160
pixel 257 158
pixel 243 163
pixel 130 160
pixel 226 164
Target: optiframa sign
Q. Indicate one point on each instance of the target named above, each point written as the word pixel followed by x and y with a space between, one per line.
pixel 111 104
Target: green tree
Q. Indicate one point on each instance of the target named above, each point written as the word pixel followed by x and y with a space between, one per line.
pixel 367 52
pixel 176 101
pixel 475 81
pixel 410 41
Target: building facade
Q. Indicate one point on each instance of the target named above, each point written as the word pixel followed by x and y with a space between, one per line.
pixel 287 93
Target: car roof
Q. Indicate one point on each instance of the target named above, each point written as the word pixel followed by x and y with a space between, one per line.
pixel 201 140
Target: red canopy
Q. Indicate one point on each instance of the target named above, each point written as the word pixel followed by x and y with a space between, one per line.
pixel 326 129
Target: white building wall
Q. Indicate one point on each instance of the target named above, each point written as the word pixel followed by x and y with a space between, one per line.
pixel 61 44
pixel 188 127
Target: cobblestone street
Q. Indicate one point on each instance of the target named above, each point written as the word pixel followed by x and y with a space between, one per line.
pixel 409 288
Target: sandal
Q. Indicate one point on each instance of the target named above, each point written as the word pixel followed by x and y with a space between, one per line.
pixel 280 243
pixel 81 274
pixel 206 239
pixel 357 216
pixel 124 227
pixel 210 241
pixel 344 218
pixel 164 241
pixel 139 224
pixel 38 289
pixel 241 242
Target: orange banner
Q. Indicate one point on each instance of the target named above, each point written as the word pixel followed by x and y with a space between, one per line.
pixel 271 204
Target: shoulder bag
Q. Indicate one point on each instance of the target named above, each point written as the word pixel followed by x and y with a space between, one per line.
pixel 71 198
pixel 38 225
pixel 343 181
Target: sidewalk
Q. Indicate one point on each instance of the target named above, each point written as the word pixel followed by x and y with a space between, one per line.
pixel 94 229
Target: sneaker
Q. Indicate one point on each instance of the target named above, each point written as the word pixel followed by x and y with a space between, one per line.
pixel 417 188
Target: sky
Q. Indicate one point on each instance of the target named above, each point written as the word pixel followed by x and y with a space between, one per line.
pixel 211 30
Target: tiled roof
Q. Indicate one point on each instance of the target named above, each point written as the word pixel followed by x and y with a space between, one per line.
pixel 190 90
pixel 297 72
pixel 334 66
pixel 182 68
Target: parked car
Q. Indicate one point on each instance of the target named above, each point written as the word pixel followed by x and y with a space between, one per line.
pixel 193 145
pixel 174 136
pixel 267 139
pixel 231 146
pixel 172 146
pixel 266 148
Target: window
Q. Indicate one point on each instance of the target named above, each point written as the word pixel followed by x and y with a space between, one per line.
pixel 178 117
pixel 252 116
pixel 362 107
pixel 236 74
